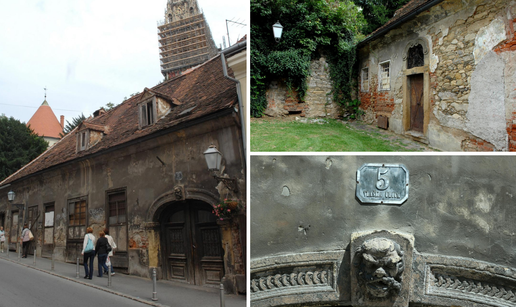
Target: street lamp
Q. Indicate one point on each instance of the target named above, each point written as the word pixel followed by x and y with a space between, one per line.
pixel 214 160
pixel 277 28
pixel 11 195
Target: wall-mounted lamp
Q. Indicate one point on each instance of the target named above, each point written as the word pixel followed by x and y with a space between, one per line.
pixel 213 160
pixel 11 195
pixel 277 29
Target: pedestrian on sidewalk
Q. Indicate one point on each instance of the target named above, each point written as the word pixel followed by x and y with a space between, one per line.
pixel 102 252
pixel 25 238
pixel 2 238
pixel 113 246
pixel 88 250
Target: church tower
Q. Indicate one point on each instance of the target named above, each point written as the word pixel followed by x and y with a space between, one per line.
pixel 185 38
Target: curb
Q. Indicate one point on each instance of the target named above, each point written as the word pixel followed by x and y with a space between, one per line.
pixel 87 284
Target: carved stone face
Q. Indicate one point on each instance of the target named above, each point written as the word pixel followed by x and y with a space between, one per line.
pixel 380 265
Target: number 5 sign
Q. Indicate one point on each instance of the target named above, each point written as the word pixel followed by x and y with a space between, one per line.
pixel 382 183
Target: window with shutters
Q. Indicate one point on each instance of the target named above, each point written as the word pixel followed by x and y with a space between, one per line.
pixel 365 79
pixel 148 112
pixel 385 80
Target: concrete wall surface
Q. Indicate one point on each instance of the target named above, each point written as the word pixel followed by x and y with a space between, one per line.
pixel 459 213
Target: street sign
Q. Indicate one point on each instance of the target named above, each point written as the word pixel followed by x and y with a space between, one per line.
pixel 382 183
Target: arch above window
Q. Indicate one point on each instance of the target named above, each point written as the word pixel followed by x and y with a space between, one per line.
pixel 415 53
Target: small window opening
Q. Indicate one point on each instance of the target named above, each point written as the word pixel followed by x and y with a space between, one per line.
pixel 385 80
pixel 365 79
pixel 416 57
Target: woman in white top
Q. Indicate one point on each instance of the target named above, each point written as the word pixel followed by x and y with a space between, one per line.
pixel 88 250
pixel 113 246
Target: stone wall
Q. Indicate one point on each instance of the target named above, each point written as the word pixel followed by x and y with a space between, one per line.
pixel 318 101
pixel 471 66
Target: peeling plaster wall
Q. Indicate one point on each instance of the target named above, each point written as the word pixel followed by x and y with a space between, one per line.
pixel 460 35
pixel 486 112
pixel 137 170
pixel 457 205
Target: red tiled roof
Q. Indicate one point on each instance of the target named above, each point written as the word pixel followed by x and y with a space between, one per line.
pixel 204 89
pixel 412 7
pixel 44 122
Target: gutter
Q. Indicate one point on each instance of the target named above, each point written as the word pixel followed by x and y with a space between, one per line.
pixel 401 20
pixel 230 51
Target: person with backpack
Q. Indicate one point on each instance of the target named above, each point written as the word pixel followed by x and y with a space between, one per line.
pixel 88 250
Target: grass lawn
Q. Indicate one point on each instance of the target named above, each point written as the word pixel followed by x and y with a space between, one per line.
pixel 271 135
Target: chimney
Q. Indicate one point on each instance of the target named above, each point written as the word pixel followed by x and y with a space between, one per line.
pixel 62 122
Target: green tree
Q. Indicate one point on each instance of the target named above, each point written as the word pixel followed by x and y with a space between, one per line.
pixel 18 145
pixel 378 12
pixel 310 28
pixel 76 121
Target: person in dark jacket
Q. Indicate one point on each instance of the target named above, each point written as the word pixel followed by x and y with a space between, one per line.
pixel 101 250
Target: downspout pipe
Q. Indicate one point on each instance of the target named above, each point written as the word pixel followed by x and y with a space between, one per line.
pixel 232 50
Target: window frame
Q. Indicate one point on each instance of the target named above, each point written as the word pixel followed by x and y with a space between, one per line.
pixel 122 248
pixel 83 139
pixel 145 117
pixel 81 227
pixel 381 75
pixel 363 80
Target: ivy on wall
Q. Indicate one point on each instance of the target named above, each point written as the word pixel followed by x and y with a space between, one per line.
pixel 310 28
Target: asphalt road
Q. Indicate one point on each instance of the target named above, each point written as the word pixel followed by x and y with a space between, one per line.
pixel 22 286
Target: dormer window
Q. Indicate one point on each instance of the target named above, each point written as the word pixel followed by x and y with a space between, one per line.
pixel 83 140
pixel 88 135
pixel 148 112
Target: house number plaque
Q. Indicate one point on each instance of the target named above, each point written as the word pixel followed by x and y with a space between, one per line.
pixel 382 183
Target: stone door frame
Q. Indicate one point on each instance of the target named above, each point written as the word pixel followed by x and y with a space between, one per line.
pixel 425 70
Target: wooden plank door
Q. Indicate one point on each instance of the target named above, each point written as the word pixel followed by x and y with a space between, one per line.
pixel 416 102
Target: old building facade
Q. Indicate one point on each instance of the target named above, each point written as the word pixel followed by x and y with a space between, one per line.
pixel 418 231
pixel 443 73
pixel 184 38
pixel 139 170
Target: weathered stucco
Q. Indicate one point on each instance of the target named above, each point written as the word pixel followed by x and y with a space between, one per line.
pixel 305 214
pixel 145 170
pixel 460 34
pixel 486 111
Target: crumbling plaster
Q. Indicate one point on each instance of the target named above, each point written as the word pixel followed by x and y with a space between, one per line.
pixel 460 33
pixel 457 205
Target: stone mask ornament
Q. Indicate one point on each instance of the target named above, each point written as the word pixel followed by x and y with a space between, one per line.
pixel 380 267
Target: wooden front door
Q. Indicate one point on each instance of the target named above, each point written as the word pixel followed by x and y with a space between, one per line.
pixel 192 244
pixel 416 102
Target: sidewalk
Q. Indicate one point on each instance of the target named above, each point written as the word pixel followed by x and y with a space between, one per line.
pixel 169 293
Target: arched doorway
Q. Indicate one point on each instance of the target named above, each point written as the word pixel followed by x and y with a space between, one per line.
pixel 191 245
pixel 416 87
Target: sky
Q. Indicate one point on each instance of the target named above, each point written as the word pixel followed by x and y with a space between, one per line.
pixel 89 53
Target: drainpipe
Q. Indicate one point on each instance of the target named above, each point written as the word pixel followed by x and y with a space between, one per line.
pixel 231 50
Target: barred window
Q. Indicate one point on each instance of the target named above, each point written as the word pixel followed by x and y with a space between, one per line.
pixel 385 80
